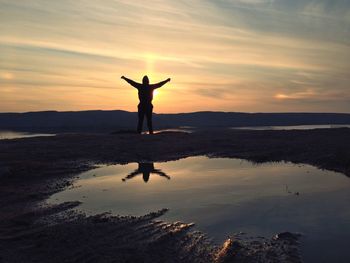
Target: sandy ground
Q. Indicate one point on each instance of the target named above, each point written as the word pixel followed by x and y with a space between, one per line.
pixel 34 168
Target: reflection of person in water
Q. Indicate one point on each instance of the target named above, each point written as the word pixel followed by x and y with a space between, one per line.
pixel 146 169
pixel 145 107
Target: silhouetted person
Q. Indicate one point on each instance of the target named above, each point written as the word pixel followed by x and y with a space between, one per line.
pixel 145 107
pixel 146 169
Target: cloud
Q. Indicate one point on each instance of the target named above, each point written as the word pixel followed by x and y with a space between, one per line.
pixel 253 1
pixel 6 75
pixel 296 96
pixel 234 50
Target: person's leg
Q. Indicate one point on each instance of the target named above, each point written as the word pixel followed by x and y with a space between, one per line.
pixel 141 114
pixel 149 119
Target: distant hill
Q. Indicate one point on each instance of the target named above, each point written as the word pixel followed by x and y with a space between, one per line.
pixel 113 120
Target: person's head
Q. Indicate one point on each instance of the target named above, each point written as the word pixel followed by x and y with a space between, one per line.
pixel 145 80
pixel 146 177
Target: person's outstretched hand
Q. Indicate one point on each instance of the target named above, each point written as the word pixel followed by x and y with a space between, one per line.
pixel 168 79
pixel 123 77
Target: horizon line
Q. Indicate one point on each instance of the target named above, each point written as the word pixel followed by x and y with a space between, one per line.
pixel 204 111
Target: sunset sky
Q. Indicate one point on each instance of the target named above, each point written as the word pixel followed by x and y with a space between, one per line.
pixel 222 55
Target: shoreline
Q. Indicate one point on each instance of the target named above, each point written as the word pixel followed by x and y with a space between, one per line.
pixel 32 169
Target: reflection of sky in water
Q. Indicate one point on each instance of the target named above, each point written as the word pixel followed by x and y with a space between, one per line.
pixel 224 196
pixel 17 135
pixel 293 127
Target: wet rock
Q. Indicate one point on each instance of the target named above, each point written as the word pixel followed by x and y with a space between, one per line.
pixel 287 236
pixel 228 251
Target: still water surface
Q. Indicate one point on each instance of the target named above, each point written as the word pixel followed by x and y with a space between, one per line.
pixel 295 127
pixel 226 196
pixel 16 135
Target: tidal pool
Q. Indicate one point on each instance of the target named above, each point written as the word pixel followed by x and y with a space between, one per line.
pixel 294 127
pixel 225 196
pixel 8 135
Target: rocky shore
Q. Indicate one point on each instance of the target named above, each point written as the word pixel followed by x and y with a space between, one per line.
pixel 32 169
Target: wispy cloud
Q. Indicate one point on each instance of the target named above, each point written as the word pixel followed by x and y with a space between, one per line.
pixel 250 54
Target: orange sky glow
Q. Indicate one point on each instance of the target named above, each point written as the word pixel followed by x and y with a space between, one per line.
pixel 225 55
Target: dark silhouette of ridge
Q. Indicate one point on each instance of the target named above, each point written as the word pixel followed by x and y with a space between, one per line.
pixel 109 121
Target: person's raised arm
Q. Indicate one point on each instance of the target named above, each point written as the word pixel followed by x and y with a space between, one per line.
pixel 160 173
pixel 131 82
pixel 158 85
pixel 131 175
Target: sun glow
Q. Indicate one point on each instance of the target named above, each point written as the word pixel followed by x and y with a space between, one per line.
pixel 150 61
pixel 155 93
pixel 208 48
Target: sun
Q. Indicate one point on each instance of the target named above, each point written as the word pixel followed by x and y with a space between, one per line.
pixel 155 93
